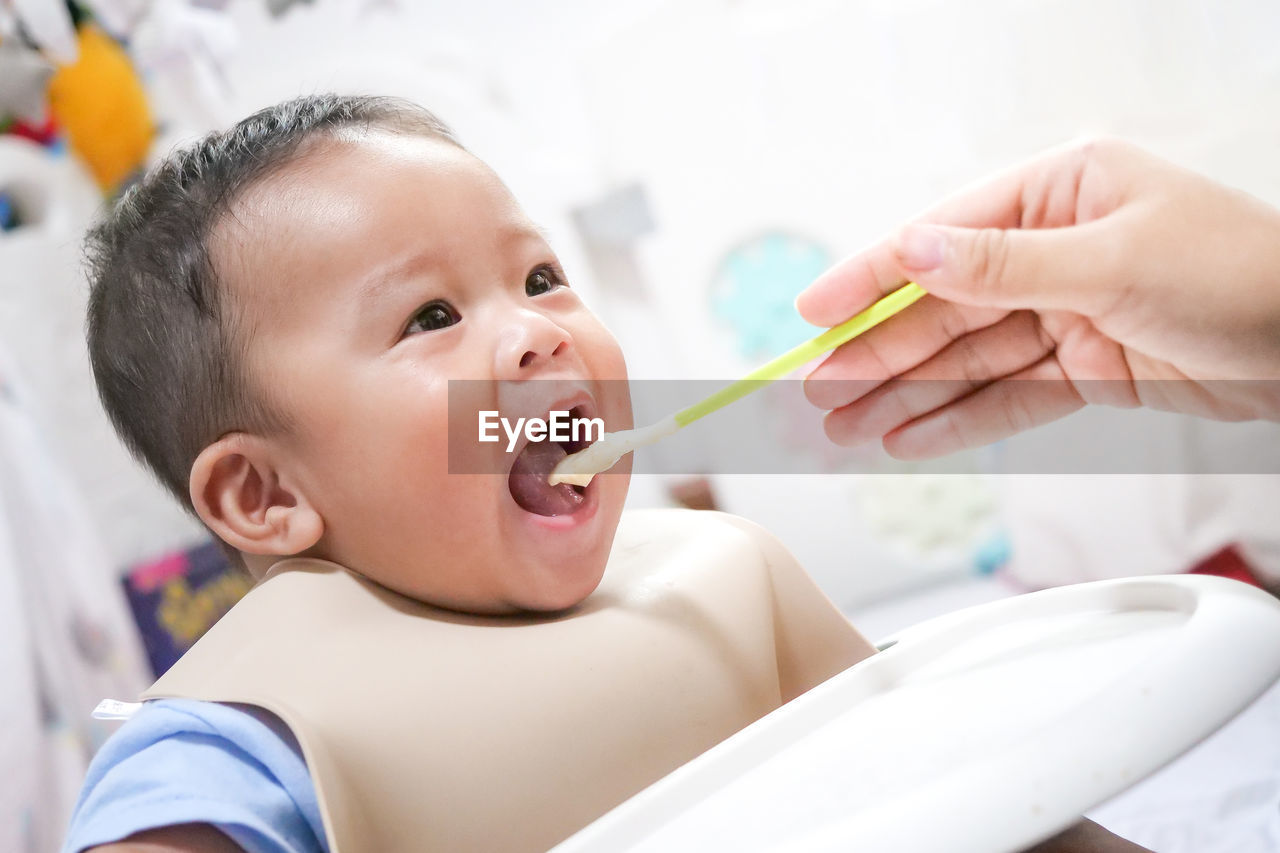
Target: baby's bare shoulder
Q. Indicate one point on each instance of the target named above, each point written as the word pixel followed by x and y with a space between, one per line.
pixel 684 525
pixel 688 546
pixel 727 564
pixel 658 534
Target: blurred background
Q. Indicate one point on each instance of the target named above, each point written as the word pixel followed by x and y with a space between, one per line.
pixel 696 164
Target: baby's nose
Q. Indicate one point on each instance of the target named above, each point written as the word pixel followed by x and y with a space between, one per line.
pixel 529 344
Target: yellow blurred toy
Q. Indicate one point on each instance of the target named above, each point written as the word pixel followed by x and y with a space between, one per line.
pixel 100 103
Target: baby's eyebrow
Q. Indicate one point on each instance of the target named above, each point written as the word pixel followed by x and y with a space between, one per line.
pixel 373 287
pixel 520 233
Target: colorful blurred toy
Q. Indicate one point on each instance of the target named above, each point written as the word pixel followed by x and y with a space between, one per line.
pixel 178 597
pixel 44 133
pixel 99 102
pixel 755 287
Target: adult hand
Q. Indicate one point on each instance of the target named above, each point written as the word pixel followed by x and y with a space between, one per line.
pixel 1093 274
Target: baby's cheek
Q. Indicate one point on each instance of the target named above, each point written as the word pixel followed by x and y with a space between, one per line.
pixel 599 347
pixel 616 363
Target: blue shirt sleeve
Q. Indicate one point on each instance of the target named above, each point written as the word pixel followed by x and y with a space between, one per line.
pixel 182 761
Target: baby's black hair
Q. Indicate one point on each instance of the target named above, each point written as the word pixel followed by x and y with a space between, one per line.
pixel 164 338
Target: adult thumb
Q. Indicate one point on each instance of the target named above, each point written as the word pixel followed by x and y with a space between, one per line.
pixel 1047 268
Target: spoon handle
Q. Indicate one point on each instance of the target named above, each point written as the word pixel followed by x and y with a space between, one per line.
pixel 799 355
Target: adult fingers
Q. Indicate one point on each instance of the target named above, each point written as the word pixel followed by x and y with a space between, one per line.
pixel 1075 268
pixel 1042 193
pixel 893 348
pixel 967 364
pixel 851 285
pixel 1069 269
pixel 1029 398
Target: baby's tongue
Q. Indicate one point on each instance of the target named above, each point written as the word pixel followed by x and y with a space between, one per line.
pixel 528 481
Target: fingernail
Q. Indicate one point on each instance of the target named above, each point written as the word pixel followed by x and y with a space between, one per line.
pixel 921 247
pixel 799 301
pixel 817 390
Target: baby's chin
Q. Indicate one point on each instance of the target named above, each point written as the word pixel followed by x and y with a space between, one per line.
pixel 562 592
pixel 523 587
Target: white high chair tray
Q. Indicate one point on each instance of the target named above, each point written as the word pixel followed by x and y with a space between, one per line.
pixel 984 730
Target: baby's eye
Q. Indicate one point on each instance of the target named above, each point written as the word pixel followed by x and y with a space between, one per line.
pixel 541 280
pixel 432 316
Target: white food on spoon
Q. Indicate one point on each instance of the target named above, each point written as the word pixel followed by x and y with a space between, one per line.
pixel 581 467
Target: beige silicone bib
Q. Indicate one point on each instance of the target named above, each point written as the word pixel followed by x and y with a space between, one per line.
pixel 430 730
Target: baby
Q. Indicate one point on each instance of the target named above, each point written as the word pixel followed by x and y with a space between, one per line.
pixel 435 657
pixel 431 660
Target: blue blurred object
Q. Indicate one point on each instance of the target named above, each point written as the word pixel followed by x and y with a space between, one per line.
pixel 992 553
pixel 755 289
pixel 8 216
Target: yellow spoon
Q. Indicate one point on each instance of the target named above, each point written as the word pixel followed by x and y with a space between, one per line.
pixel 582 466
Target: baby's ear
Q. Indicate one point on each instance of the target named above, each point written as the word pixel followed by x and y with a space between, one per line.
pixel 239 491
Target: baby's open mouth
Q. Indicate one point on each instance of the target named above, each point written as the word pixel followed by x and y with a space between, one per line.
pixel 529 473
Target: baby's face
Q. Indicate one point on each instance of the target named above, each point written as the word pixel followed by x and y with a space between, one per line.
pixel 370 274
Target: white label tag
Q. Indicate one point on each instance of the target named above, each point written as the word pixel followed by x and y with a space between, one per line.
pixel 114 709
